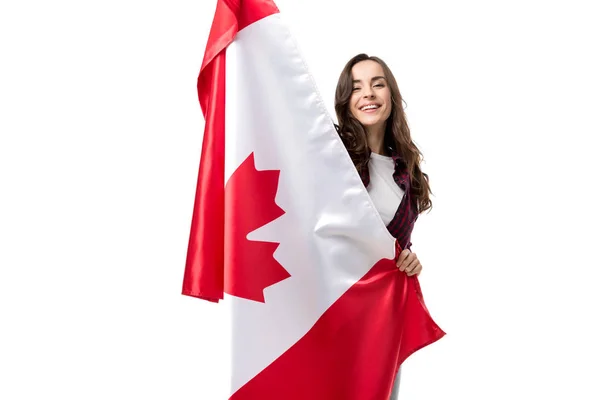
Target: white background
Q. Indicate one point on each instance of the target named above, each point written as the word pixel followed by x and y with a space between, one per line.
pixel 99 149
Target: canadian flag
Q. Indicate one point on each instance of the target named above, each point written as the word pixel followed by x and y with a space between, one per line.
pixel 284 230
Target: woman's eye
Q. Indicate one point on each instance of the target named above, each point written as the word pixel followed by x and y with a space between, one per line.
pixel 379 85
pixel 355 89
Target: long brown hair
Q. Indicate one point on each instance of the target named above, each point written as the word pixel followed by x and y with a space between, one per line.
pixel 397 132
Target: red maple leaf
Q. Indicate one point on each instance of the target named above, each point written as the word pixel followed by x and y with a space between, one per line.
pixel 249 204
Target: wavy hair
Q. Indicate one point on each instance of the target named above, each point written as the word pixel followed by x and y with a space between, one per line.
pixel 397 132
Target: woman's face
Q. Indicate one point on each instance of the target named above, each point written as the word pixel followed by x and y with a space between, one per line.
pixel 371 101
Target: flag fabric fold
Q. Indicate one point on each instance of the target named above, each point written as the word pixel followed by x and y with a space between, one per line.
pixel 284 231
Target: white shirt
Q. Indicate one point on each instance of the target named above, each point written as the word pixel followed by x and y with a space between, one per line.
pixel 384 191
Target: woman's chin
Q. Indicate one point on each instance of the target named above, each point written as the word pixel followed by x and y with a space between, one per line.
pixel 369 123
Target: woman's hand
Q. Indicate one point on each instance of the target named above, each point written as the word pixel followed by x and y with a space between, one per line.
pixel 407 261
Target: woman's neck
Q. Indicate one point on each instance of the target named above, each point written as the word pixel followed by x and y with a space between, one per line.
pixel 375 140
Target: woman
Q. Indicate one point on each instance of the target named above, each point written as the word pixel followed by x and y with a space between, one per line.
pixel 373 127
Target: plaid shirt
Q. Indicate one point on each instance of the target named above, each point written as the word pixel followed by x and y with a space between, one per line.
pixel 401 226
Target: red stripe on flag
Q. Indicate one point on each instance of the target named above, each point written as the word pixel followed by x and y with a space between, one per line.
pixel 203 276
pixel 347 356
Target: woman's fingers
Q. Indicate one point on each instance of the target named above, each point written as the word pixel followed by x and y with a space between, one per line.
pixel 412 266
pixel 414 270
pixel 403 259
pixel 409 263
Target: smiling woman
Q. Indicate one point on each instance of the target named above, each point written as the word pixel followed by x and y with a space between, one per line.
pixel 371 99
pixel 373 127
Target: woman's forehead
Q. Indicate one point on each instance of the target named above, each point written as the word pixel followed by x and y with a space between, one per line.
pixel 366 70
